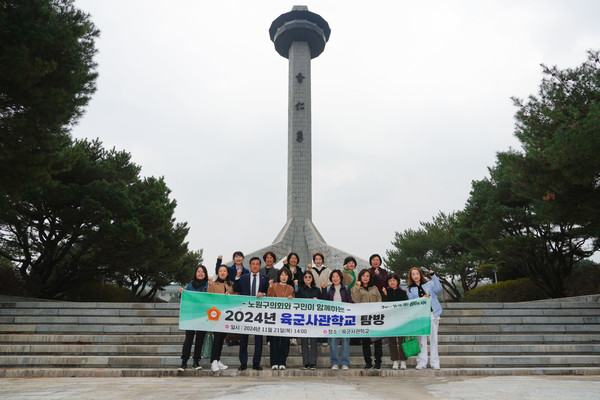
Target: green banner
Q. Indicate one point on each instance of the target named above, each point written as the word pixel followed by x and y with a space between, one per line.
pixel 276 316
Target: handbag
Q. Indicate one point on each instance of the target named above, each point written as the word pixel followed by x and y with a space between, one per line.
pixel 207 345
pixel 410 346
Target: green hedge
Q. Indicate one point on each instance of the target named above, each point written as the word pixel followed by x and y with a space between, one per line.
pixel 506 291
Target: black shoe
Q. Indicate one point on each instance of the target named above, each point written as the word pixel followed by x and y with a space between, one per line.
pixel 369 366
pixel 183 365
pixel 197 365
pixel 306 366
pixel 313 366
pixel 243 367
pixel 257 367
pixel 377 366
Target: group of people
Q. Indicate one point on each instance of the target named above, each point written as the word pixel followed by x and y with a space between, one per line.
pixel 374 284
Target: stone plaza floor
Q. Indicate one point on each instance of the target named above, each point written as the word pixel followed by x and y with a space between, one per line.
pixel 277 388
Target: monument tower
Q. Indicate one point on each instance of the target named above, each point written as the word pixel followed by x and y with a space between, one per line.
pixel 299 36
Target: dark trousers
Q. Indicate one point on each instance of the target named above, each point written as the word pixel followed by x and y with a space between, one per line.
pixel 366 348
pixel 219 338
pixel 187 345
pixel 309 351
pixel 396 352
pixel 280 349
pixel 258 339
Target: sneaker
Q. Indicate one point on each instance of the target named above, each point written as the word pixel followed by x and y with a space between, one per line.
pixel 436 367
pixel 197 366
pixel 324 344
pixel 313 366
pixel 402 365
pixel 345 367
pixel 395 365
pixel 214 366
pixel 419 367
pixel 335 367
pixel 274 367
pixel 306 366
pixel 282 367
pixel 221 365
pixel 293 342
pixel 183 365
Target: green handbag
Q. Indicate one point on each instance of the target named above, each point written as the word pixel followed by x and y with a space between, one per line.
pixel 207 345
pixel 410 346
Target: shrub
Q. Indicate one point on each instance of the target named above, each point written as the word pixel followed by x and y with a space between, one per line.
pixel 505 291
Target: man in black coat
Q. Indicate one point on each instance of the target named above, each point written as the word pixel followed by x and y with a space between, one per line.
pixel 253 284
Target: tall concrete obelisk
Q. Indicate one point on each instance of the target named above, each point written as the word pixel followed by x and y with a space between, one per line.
pixel 299 36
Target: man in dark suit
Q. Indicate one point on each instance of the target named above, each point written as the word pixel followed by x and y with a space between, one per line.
pixel 252 284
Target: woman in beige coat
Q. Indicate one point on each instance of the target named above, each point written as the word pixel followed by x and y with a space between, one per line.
pixel 365 291
pixel 222 286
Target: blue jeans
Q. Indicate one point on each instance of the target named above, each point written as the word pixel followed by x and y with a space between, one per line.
pixel 344 357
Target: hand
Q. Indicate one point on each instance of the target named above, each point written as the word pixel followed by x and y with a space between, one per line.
pixel 357 284
pixel 323 285
pixel 376 271
pixel 431 272
pixel 290 297
pixel 284 261
pixel 296 282
pixel 384 291
pixel 239 273
pixel 271 282
pixel 210 281
pixel 220 257
pixel 309 267
pixel 180 290
pixel 427 296
pixel 314 298
pixel 260 294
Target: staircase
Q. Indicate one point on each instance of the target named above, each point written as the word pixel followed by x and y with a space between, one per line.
pixel 56 339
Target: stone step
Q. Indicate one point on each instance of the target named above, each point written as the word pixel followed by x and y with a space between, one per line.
pixel 175 349
pixel 290 372
pixel 91 305
pixel 454 361
pixel 89 320
pixel 108 312
pixel 177 338
pixel 536 312
pixel 529 329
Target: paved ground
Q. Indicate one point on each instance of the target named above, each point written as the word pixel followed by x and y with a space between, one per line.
pixel 372 388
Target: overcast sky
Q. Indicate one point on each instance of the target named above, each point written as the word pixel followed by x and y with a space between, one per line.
pixel 411 102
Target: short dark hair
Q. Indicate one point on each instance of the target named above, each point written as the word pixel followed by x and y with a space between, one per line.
pixel 373 256
pixel 293 254
pixel 360 275
pixel 339 272
pixel 255 258
pixel 318 254
pixel 237 253
pixel 287 272
pixel 392 276
pixel 348 259
pixel 271 254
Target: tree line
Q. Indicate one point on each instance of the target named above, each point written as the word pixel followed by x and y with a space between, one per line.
pixel 72 212
pixel 537 214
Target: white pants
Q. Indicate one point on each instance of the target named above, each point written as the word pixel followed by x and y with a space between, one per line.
pixel 434 358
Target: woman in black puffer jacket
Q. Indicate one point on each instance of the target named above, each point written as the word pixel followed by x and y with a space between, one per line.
pixel 308 290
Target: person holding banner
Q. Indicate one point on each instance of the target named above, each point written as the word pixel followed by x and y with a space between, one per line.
pixel 395 293
pixel 223 286
pixel 280 345
pixel 348 272
pixel 308 290
pixel 320 274
pixel 419 286
pixel 199 283
pixel 340 293
pixel 256 285
pixel 365 291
